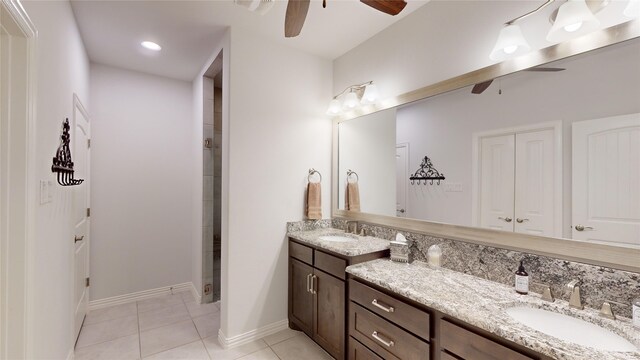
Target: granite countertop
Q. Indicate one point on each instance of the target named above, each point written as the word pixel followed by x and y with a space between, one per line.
pixel 362 244
pixel 482 303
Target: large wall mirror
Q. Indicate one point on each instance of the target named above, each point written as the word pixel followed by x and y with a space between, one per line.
pixel 551 151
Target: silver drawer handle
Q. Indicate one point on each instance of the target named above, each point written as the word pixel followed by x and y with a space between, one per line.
pixel 507 219
pixel 389 343
pixel 389 309
pixel 309 283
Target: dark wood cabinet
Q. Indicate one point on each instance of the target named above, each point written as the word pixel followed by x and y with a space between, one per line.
pixel 318 294
pixel 389 326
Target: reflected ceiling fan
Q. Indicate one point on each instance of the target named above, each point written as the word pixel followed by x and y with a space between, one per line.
pixel 481 87
pixel 297 12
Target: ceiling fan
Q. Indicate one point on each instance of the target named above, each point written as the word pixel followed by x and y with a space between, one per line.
pixel 297 12
pixel 481 87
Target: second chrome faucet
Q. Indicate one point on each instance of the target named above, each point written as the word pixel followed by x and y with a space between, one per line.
pixel 574 300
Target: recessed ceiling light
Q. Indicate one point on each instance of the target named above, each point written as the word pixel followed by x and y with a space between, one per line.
pixel 151 45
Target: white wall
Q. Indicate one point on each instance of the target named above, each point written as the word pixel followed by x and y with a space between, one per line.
pixel 368 146
pixel 141 186
pixel 62 69
pixel 277 131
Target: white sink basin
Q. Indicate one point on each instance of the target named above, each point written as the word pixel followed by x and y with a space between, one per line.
pixel 336 238
pixel 570 329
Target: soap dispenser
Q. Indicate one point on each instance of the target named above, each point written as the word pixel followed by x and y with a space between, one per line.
pixel 522 280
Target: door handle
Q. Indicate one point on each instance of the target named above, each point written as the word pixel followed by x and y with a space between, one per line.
pixel 401 211
pixel 583 228
pixel 78 238
pixel 309 283
pixel 507 219
pixel 520 221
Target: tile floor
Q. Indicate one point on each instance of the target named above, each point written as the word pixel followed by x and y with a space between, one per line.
pixel 176 327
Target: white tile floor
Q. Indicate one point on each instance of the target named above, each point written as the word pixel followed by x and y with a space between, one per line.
pixel 176 327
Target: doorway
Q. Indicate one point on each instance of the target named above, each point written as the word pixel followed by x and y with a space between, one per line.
pixel 17 198
pixel 212 181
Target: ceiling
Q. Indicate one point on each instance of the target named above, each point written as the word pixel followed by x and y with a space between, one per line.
pixel 189 31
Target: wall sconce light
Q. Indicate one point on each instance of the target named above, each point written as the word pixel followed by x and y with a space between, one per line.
pixel 574 18
pixel 354 97
pixel 633 9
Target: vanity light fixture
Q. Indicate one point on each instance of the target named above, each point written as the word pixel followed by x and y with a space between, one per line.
pixel 151 45
pixel 354 96
pixel 510 43
pixel 633 9
pixel 574 19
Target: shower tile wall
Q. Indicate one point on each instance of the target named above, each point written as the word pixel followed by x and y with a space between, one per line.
pixel 207 192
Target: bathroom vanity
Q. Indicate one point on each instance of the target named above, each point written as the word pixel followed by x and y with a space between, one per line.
pixel 318 282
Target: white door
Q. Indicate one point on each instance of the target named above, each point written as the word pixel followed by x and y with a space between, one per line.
pixel 497 182
pixel 80 156
pixel 402 178
pixel 534 191
pixel 606 180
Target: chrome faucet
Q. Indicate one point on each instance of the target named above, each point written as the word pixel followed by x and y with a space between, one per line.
pixel 352 227
pixel 574 300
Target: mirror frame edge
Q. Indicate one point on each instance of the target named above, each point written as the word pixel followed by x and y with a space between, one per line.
pixel 615 257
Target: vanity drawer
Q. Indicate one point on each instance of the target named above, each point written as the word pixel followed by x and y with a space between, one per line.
pixel 301 252
pixel 397 311
pixel 358 351
pixel 383 337
pixel 469 345
pixel 330 264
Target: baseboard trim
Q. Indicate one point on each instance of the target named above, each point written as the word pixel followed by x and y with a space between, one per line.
pixel 252 335
pixel 140 295
pixel 196 294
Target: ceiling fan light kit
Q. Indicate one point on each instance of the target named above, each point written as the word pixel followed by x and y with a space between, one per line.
pixel 510 42
pixel 259 6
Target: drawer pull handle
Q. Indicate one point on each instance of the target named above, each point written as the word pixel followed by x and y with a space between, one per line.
pixel 389 309
pixel 309 283
pixel 384 342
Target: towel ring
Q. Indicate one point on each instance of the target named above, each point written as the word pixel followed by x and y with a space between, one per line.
pixel 314 171
pixel 351 172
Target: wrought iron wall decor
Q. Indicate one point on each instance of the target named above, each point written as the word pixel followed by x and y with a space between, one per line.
pixel 62 163
pixel 426 173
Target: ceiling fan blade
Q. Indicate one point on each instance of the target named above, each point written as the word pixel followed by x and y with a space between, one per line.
pixel 295 16
pixel 391 7
pixel 545 69
pixel 481 87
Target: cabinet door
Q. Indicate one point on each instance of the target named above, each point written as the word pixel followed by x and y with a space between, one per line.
pixel 300 299
pixel 329 318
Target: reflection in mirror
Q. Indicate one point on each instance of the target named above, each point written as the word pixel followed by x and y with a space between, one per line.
pixel 553 152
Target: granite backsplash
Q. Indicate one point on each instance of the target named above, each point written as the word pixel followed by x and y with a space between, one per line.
pixel 598 284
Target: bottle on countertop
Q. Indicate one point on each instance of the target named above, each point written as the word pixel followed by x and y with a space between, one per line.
pixel 522 280
pixel 635 307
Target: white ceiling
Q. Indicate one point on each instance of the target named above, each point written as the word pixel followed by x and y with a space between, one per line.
pixel 188 31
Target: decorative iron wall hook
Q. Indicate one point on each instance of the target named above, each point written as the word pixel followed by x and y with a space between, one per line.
pixel 427 172
pixel 62 163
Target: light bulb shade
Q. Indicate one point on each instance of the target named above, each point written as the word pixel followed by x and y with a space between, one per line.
pixel 335 108
pixel 633 9
pixel 510 43
pixel 350 101
pixel 370 95
pixel 574 19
